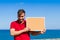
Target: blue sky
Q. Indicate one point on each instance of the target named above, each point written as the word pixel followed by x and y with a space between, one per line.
pixel 50 9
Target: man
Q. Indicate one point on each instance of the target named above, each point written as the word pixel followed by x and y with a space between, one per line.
pixel 18 28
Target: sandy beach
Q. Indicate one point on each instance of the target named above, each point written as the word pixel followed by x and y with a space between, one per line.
pixel 47 39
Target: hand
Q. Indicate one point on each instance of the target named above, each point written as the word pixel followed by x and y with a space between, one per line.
pixel 26 29
pixel 44 30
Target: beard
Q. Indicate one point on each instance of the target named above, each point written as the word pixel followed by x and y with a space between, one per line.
pixel 20 20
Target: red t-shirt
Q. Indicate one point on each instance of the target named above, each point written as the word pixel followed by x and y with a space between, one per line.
pixel 17 26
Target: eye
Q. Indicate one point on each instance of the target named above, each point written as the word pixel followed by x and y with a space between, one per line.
pixel 21 16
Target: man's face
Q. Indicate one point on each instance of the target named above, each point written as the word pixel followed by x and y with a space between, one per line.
pixel 21 17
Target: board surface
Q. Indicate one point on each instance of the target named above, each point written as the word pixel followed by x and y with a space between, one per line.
pixel 35 23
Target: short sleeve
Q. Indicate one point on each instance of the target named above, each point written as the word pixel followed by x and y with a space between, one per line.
pixel 12 25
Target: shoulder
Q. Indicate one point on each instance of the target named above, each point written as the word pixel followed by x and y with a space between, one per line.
pixel 13 22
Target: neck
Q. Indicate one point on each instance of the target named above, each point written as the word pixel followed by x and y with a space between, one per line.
pixel 19 21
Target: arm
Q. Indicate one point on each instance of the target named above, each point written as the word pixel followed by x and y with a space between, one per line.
pixel 37 32
pixel 13 32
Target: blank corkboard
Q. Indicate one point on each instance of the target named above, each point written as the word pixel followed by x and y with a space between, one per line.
pixel 35 23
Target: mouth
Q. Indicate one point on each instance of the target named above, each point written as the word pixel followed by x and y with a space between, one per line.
pixel 21 19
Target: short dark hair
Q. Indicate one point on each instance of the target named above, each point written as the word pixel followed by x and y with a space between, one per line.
pixel 20 11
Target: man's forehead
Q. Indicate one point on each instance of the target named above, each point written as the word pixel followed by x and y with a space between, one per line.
pixel 22 14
